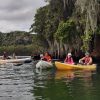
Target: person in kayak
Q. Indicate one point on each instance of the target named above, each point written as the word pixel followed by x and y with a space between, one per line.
pixel 87 60
pixel 69 59
pixel 5 56
pixel 14 56
pixel 46 57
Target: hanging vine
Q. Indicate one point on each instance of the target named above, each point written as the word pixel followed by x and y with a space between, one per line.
pixel 89 8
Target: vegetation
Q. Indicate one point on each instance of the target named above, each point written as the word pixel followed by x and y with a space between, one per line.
pixel 67 24
pixel 19 50
pixel 20 42
pixel 61 26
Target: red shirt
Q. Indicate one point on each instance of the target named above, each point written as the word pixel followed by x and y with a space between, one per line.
pixel 47 58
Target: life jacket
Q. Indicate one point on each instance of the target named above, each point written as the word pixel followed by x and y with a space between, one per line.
pixel 47 58
pixel 69 60
pixel 87 59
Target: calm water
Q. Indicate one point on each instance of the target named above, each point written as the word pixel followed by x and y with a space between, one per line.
pixel 26 83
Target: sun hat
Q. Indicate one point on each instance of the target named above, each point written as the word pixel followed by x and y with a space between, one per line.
pixel 69 54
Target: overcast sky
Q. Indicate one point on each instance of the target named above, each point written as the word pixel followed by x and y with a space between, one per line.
pixel 18 14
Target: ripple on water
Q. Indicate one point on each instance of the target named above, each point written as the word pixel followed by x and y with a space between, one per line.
pixel 27 83
pixel 16 82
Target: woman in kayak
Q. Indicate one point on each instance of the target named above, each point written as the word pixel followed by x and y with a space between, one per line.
pixel 47 57
pixel 69 59
pixel 87 60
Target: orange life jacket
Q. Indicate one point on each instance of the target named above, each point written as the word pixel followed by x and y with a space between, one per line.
pixel 47 58
pixel 87 59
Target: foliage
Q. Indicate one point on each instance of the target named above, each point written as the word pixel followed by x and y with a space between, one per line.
pixel 86 39
pixel 15 38
pixel 71 22
pixel 21 42
pixel 39 43
pixel 19 50
pixel 90 10
pixel 98 30
pixel 66 31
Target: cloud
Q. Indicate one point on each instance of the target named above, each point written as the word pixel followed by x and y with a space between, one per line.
pixel 18 14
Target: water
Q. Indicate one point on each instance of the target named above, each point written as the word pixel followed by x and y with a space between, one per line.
pixel 26 83
pixel 16 82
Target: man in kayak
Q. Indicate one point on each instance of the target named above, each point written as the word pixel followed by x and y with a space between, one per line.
pixel 69 59
pixel 87 60
pixel 46 57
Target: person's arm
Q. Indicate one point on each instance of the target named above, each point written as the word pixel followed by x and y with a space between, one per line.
pixel 72 61
pixel 82 59
pixel 90 62
pixel 49 59
pixel 43 58
pixel 65 60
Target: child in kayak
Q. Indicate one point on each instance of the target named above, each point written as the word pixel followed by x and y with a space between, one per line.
pixel 87 60
pixel 69 59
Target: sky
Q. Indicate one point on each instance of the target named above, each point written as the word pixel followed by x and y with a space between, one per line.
pixel 18 14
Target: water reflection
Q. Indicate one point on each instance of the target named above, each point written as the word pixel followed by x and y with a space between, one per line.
pixel 64 74
pixel 71 85
pixel 27 83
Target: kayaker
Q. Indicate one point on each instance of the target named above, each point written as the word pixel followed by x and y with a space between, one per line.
pixel 46 57
pixel 69 59
pixel 87 60
pixel 5 56
pixel 14 56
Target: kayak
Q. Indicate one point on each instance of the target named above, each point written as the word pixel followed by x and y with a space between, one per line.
pixel 14 60
pixel 64 66
pixel 44 64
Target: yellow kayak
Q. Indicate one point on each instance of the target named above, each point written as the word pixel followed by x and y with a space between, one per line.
pixel 64 66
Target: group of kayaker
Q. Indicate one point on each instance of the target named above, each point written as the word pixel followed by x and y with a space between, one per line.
pixel 5 56
pixel 87 60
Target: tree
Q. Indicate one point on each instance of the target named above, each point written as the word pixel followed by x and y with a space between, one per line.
pixel 46 22
pixel 67 23
pixel 90 10
pixel 67 36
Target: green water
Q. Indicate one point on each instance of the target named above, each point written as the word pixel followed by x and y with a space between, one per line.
pixel 27 83
pixel 69 85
